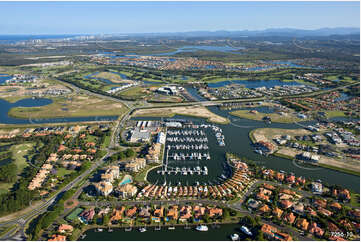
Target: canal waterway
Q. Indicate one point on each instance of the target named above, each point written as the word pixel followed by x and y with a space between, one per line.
pixel 5 107
pixel 237 141
pixel 254 83
pixel 213 234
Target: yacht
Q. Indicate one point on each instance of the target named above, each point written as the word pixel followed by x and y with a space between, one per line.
pixel 142 230
pixel 171 228
pixel 245 230
pixel 202 228
pixel 235 237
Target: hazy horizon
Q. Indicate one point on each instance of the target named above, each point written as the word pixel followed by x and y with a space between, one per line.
pixel 69 18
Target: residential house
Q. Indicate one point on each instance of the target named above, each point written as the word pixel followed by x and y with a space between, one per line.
pixel 130 213
pixel 264 208
pixel 57 237
pixel 302 224
pixel 298 208
pixel 86 216
pixel 290 218
pixel 272 233
pixel 314 229
pixel 286 204
pixel 173 212
pixel 117 214
pixel 65 228
pixel 185 213
pixel 215 212
pixel 277 212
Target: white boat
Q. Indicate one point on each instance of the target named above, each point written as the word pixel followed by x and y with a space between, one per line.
pixel 171 228
pixel 142 230
pixel 202 228
pixel 245 230
pixel 235 237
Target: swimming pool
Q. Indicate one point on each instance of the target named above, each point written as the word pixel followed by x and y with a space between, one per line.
pixel 126 179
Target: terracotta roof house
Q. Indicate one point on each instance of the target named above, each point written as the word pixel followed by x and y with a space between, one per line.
pixel 215 212
pixel 131 212
pixel 320 203
pixel 290 218
pixel 57 237
pixel 185 213
pixel 199 211
pixel 346 224
pixel 280 176
pixel 265 191
pixel 263 197
pixel 272 233
pixel 286 203
pixel 335 206
pixel 332 227
pixel 324 211
pixel 284 196
pixel 344 194
pixel 277 212
pixel 314 229
pixel 144 212
pixel 173 212
pixel 268 186
pixel 117 214
pixel 302 224
pixel 264 208
pixel 159 212
pixel 291 179
pixel 63 228
pixel 287 191
pixel 336 238
pixel 310 211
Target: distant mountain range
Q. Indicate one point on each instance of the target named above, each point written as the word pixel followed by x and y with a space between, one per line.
pixel 267 32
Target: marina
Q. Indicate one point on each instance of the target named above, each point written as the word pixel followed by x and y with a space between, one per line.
pixel 238 142
pixel 170 233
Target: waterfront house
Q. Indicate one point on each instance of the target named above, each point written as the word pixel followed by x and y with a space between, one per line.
pixel 317 188
pixel 65 228
pixel 354 213
pixel 57 237
pixel 280 176
pixel 185 213
pixel 332 227
pixel 173 212
pixel 344 194
pixel 117 214
pixel 86 216
pixel 130 213
pixel 272 233
pixel 199 211
pixel 215 212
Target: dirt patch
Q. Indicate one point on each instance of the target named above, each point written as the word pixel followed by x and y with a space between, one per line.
pixel 196 111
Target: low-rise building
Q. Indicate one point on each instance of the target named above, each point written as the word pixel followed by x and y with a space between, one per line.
pixel 127 190
pixel 103 188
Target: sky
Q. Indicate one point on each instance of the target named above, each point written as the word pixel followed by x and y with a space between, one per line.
pixel 147 17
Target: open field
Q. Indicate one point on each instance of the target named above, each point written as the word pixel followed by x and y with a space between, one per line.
pixel 332 114
pixel 195 111
pixel 111 77
pixel 74 106
pixel 275 117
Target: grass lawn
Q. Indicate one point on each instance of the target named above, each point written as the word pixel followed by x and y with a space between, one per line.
pixel 4 187
pixel 337 113
pixel 355 199
pixel 62 172
pixel 140 176
pixel 76 106
pixel 91 138
pixel 106 142
pixel 275 117
pixel 19 151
